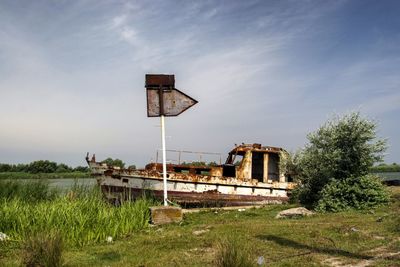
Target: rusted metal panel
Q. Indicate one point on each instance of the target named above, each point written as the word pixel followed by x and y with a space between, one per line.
pixel 193 199
pixel 216 171
pixel 172 102
pixel 157 80
pixel 255 147
pixel 266 158
pixel 244 170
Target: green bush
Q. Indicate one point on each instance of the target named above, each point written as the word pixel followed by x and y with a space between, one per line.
pixel 343 147
pixel 353 193
pixel 43 250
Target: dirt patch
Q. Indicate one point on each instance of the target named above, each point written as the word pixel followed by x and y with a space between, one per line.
pixel 376 254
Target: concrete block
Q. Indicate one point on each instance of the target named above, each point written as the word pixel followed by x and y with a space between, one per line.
pixel 165 214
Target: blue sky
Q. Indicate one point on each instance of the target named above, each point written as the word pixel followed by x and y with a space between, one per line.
pixel 72 74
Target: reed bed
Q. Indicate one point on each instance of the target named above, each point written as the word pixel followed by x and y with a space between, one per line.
pixel 31 191
pixel 81 217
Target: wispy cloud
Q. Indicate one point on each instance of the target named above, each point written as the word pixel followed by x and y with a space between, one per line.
pixel 71 75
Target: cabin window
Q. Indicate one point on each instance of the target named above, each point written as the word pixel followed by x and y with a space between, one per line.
pixel 228 170
pixel 273 167
pixel 237 160
pixel 257 166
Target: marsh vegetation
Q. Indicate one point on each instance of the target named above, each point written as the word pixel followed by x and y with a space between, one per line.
pixel 81 216
pixel 349 237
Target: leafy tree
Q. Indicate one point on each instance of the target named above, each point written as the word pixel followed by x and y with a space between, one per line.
pixel 114 162
pixel 19 168
pixel 343 148
pixel 5 167
pixel 81 169
pixel 42 166
pixel 63 168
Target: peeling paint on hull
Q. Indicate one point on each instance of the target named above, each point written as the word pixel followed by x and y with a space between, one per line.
pixel 192 194
pixel 188 199
pixel 257 180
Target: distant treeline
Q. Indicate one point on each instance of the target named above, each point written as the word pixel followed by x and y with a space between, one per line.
pixel 41 166
pixel 199 163
pixel 117 163
pixel 383 167
pixel 46 166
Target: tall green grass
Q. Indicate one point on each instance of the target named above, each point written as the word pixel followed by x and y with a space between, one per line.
pixel 231 253
pixel 81 217
pixel 31 191
pixel 43 250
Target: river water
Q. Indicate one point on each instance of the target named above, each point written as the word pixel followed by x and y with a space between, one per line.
pixel 66 183
pixel 389 175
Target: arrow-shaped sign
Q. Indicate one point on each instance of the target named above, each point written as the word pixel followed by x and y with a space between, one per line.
pixel 173 102
pixel 163 98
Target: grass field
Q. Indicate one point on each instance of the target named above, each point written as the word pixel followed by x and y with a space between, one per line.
pixel 370 238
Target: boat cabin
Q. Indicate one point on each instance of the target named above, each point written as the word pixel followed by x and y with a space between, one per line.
pixel 245 162
pixel 253 161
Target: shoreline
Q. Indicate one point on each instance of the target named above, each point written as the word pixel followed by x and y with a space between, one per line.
pixel 24 175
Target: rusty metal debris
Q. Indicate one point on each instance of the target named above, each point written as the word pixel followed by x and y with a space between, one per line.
pixel 251 175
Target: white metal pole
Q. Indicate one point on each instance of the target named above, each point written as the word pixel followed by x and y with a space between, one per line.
pixel 164 160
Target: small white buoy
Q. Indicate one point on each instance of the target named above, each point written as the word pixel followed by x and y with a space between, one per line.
pixel 109 239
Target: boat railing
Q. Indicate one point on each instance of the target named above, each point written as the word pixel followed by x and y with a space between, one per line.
pixel 180 152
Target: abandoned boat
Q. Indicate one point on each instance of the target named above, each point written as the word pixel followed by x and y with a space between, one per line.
pixel 252 175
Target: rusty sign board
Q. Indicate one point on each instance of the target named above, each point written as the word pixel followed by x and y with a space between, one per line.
pixel 155 80
pixel 163 98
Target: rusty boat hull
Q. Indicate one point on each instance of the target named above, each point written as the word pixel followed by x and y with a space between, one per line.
pixel 191 194
pixel 222 185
